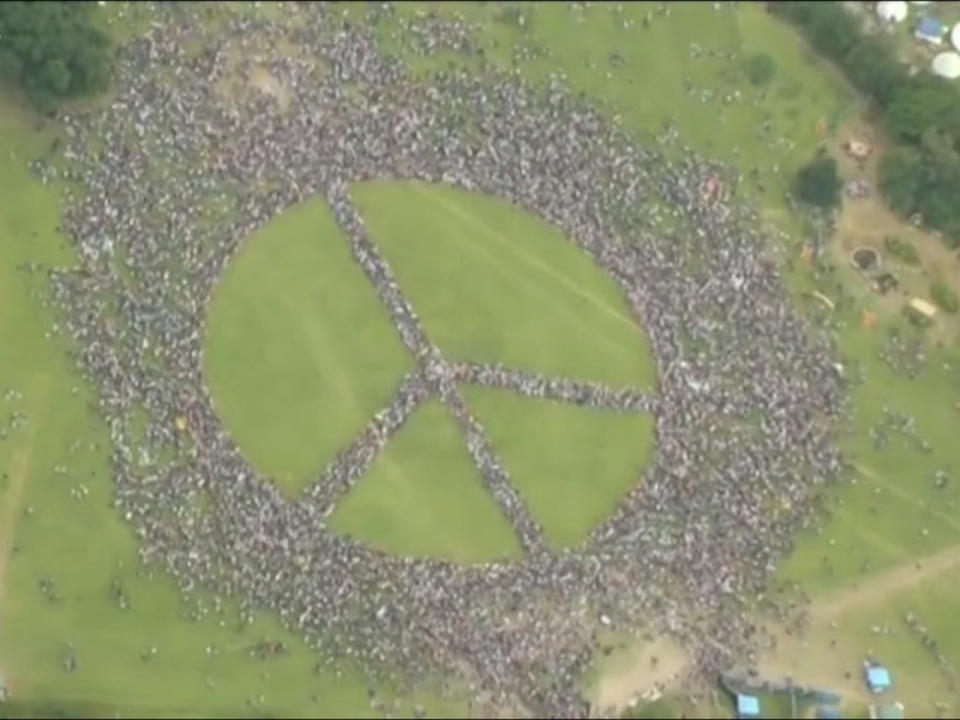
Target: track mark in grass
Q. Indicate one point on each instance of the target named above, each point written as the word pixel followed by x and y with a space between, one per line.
pixel 20 469
pixel 525 257
pixel 880 542
pixel 902 577
pixel 905 496
pixel 319 338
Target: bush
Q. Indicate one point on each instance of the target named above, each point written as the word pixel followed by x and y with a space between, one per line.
pixel 944 296
pixel 760 69
pixel 53 50
pixel 817 182
pixel 901 249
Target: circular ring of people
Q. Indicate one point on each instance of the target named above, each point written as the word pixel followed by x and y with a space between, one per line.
pixel 705 524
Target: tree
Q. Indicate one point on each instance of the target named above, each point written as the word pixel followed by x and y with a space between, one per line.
pixel 817 182
pixel 53 50
pixel 872 67
pixel 938 192
pixel 760 69
pixel 55 76
pixel 900 171
pixel 832 31
pixel 926 102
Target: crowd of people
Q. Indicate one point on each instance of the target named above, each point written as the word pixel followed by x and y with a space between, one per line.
pixel 170 179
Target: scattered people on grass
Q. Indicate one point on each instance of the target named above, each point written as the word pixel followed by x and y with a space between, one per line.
pixel 708 519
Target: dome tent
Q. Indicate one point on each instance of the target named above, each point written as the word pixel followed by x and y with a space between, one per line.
pixel 892 11
pixel 946 64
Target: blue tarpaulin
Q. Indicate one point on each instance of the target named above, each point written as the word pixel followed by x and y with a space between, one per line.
pixel 930 27
pixel 878 678
pixel 748 706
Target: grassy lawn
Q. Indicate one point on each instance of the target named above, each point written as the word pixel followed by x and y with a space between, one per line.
pixel 641 74
pixel 292 377
pixel 571 464
pixel 83 547
pixel 493 283
pixel 424 497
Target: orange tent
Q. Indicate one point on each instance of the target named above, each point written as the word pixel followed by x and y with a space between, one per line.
pixel 869 319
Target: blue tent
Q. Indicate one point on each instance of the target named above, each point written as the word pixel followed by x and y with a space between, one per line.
pixel 930 29
pixel 748 706
pixel 878 678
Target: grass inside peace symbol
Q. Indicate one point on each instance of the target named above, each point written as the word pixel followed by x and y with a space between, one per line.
pixel 571 464
pixel 300 354
pixel 494 283
pixel 423 496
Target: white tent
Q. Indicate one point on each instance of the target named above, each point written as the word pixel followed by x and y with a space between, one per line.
pixel 955 36
pixel 892 11
pixel 946 64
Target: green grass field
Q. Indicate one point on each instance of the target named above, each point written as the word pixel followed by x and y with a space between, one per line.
pixel 83 546
pixel 424 497
pixel 492 283
pixel 571 464
pixel 300 353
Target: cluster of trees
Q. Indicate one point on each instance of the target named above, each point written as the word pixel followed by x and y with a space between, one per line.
pixel 53 50
pixel 921 173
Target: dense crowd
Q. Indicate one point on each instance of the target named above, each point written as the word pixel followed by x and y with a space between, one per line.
pixel 174 175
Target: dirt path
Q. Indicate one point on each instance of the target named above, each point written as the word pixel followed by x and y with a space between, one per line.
pixel 816 660
pixel 10 508
pixel 636 673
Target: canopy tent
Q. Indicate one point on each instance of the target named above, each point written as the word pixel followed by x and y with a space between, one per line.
pixel 878 678
pixel 930 29
pixel 946 64
pixel 892 11
pixel 748 706
pixel 955 36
